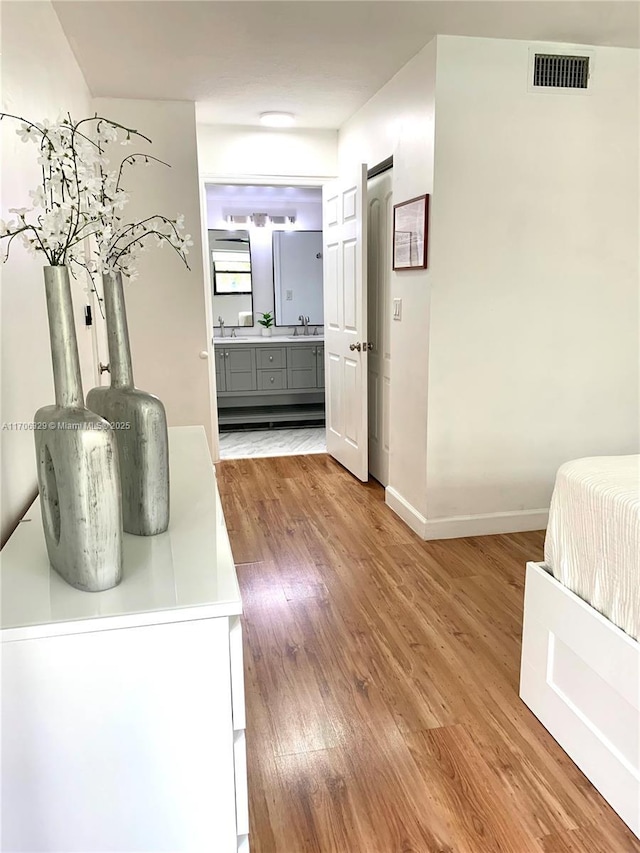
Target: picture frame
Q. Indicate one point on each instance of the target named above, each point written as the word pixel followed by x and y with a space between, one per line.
pixel 410 233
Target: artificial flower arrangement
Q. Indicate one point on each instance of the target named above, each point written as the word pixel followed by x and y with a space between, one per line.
pixel 81 197
pixel 94 480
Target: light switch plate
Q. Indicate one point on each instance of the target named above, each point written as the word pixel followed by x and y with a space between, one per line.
pixel 397 309
pixel 289 296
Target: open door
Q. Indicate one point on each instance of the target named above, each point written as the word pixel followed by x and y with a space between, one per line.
pixel 344 204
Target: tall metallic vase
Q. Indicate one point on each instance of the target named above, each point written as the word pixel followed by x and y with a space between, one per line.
pixel 77 462
pixel 141 426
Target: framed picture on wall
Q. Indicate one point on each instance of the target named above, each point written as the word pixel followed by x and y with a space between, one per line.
pixel 410 233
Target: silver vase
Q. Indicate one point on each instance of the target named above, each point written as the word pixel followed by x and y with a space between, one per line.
pixel 140 425
pixel 77 462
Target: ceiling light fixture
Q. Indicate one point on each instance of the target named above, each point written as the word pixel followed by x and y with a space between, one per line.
pixel 277 119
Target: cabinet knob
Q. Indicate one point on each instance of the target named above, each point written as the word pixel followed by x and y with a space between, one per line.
pixel 226 355
pixel 270 358
pixel 272 379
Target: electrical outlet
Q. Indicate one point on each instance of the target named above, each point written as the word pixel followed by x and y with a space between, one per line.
pixel 397 309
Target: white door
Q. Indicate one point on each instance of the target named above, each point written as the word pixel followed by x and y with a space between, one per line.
pixel 344 204
pixel 380 221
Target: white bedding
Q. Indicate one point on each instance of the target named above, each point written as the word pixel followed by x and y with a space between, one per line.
pixel 593 538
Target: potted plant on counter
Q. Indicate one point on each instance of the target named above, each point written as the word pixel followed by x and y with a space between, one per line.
pixel 266 321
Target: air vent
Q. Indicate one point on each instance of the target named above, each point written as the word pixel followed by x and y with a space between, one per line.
pixel 559 71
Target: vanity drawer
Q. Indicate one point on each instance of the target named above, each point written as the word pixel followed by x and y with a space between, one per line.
pixel 270 357
pixel 272 380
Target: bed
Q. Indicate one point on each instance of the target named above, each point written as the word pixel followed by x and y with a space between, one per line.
pixel 580 672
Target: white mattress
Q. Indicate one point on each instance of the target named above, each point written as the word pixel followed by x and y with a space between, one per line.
pixel 593 538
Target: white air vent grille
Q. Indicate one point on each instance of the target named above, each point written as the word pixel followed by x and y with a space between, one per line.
pixel 559 71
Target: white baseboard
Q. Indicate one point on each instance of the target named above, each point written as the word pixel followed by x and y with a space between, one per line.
pixel 409 514
pixel 458 526
pixel 486 525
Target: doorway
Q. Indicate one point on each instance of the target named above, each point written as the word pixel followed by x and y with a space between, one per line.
pixel 380 222
pixel 264 256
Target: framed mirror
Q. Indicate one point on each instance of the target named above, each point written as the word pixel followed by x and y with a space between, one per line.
pixel 297 277
pixel 230 258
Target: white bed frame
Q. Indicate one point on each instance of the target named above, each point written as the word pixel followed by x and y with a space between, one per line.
pixel 580 676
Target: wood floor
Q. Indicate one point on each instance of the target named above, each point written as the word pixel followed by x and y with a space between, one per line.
pixel 382 680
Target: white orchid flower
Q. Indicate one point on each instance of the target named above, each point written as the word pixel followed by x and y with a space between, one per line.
pixel 20 211
pixel 38 197
pixel 26 132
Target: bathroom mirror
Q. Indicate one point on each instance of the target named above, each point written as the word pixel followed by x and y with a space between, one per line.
pixel 297 277
pixel 230 258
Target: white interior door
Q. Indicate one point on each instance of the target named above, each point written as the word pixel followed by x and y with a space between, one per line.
pixel 344 204
pixel 380 219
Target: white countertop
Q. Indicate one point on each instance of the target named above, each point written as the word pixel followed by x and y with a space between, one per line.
pixel 273 339
pixel 165 577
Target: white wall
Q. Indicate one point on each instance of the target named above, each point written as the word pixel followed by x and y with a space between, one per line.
pixel 518 347
pixel 399 120
pixel 308 218
pixel 249 151
pixel 33 44
pixel 166 305
pixel 534 302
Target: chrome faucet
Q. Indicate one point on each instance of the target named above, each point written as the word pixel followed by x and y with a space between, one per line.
pixel 221 321
pixel 305 322
pixel 233 332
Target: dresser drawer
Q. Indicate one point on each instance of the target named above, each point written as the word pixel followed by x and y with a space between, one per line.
pixel 268 357
pixel 272 380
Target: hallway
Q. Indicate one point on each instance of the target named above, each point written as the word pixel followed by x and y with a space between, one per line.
pixel 382 680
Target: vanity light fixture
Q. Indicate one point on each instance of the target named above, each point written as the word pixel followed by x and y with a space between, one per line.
pixel 277 119
pixel 287 221
pixel 260 220
pixel 233 220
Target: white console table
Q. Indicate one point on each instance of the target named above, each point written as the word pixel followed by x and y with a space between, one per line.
pixel 123 711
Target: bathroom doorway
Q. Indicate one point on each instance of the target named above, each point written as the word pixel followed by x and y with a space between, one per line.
pixel 264 260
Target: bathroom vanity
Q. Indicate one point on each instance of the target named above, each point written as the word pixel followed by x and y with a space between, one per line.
pixel 270 380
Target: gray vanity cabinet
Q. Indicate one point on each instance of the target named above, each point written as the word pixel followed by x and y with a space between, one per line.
pixel 221 380
pixel 236 369
pixel 305 366
pixel 320 366
pixel 268 382
pixel 301 367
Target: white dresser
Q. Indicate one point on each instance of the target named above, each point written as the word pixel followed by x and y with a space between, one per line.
pixel 123 711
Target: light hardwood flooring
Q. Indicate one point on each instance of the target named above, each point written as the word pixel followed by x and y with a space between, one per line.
pixel 382 680
pixel 257 443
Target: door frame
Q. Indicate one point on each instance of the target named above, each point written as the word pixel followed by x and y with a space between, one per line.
pixel 206 179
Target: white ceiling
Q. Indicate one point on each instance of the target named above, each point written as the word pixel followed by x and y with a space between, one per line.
pixel 319 60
